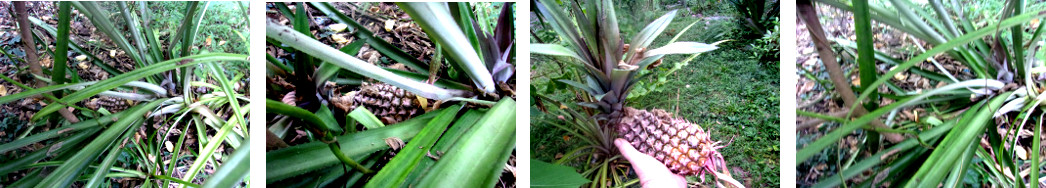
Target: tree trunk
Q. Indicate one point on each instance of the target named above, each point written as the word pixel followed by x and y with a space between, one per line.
pixel 29 46
pixel 808 13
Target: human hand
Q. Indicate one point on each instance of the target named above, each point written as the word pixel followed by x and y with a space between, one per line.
pixel 652 173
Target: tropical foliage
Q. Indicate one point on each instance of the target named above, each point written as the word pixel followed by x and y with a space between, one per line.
pixel 608 70
pixel 417 121
pixel 971 125
pixel 160 109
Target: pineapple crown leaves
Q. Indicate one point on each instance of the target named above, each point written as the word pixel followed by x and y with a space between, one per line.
pixel 593 38
pixel 496 47
pixel 493 47
pixel 465 42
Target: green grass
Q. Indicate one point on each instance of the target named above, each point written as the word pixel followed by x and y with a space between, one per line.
pixel 731 94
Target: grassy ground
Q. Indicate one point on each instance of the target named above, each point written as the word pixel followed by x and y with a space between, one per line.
pixel 729 92
pixel 733 97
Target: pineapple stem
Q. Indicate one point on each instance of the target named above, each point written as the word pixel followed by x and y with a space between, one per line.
pixel 336 149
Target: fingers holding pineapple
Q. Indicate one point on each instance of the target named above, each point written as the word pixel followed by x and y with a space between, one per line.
pixel 652 173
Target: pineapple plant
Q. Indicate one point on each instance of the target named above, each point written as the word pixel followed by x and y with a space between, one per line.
pixel 611 67
pixel 72 142
pixel 404 123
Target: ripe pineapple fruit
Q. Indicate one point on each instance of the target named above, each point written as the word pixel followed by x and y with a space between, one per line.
pixel 389 103
pixel 682 146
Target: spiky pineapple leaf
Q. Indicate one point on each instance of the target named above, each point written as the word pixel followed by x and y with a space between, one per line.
pixel 480 154
pixel 280 108
pixel 319 50
pixel 397 170
pixel 553 49
pixel 562 24
pixel 71 168
pixel 382 46
pixel 583 87
pixel 233 170
pixel 450 138
pixel 137 74
pixel 35 138
pixel 435 19
pixel 285 163
pixel 365 117
pixel 649 33
pixel 547 175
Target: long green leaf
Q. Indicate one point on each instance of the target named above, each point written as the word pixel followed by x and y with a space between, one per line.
pixel 829 139
pixel 395 172
pixel 365 117
pixel 1017 32
pixel 100 18
pixel 873 160
pixel 65 174
pixel 568 32
pixel 102 170
pixel 136 75
pixel 35 138
pixel 33 92
pixel 382 46
pixel 480 155
pixel 1036 147
pixel 97 62
pixel 287 162
pixel 649 33
pixel 436 20
pixel 135 33
pixel 191 24
pixel 553 49
pixel 461 126
pixel 865 50
pixel 317 49
pixel 230 94
pixel 61 46
pixel 954 43
pixel 681 48
pixel 943 158
pixel 548 175
pixel 154 43
pixel 207 151
pixel 233 170
pixel 280 108
pixel 58 148
pixel 462 14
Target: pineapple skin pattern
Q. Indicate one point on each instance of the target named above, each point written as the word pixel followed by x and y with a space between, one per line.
pixel 112 104
pixel 685 148
pixel 389 103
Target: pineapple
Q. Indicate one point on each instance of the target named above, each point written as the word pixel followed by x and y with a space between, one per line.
pixel 389 103
pixel 682 146
pixel 112 104
pixel 611 67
